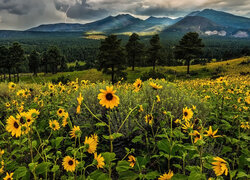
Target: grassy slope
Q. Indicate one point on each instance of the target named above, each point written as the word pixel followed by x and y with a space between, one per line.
pixel 199 71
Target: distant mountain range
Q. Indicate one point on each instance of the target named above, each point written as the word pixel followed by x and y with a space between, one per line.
pixel 207 22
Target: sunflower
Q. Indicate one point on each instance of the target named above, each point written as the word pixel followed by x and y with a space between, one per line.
pixel 60 112
pixel 197 136
pixel 11 85
pixel 1 152
pixel 155 86
pixel 140 108
pixel 158 98
pixel 54 125
pixel 84 82
pixel 211 133
pixel 79 99
pixel 187 114
pixel 95 137
pixel 20 92
pixel 69 164
pixel 91 144
pixel 78 109
pixel 21 117
pixel 137 84
pixel 8 176
pixel 187 126
pixel 29 119
pixel 247 99
pixel 25 129
pixel 108 98
pixel 2 166
pixel 219 166
pixel 149 119
pixel 7 105
pixel 75 132
pixel 13 126
pixel 34 113
pixel 132 160
pixel 65 117
pixel 166 176
pixel 51 86
pixel 100 160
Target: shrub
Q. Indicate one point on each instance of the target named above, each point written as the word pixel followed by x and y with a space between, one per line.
pixel 152 74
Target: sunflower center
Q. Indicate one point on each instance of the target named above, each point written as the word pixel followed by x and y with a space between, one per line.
pixel 28 120
pixel 9 179
pixel 185 113
pixel 109 96
pixel 138 85
pixel 60 111
pixel 13 85
pixel 22 121
pixel 16 125
pixel 53 125
pixel 70 162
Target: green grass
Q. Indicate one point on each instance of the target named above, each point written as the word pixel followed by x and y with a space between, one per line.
pixel 229 67
pixel 81 63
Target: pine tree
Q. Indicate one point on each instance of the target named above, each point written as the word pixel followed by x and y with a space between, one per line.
pixel 16 57
pixel 111 58
pixel 190 47
pixel 53 56
pixel 5 64
pixel 154 51
pixel 34 62
pixel 134 50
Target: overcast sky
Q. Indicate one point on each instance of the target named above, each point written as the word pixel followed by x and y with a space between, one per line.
pixel 23 14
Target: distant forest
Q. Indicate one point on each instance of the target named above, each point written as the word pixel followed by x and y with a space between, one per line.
pixel 73 47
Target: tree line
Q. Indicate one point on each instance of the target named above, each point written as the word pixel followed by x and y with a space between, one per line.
pixel 112 56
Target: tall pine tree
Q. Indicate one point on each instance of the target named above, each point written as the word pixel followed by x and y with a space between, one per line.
pixel 34 62
pixel 190 47
pixel 154 51
pixel 111 58
pixel 134 50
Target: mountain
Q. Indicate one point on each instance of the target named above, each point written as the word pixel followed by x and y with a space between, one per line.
pixel 223 18
pixel 194 23
pixel 106 24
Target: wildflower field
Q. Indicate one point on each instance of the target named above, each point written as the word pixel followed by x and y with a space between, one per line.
pixel 192 129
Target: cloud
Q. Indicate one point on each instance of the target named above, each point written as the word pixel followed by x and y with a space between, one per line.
pixel 21 7
pixel 23 14
pixel 80 9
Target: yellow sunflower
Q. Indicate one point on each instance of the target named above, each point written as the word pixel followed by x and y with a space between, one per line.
pixel 13 126
pixel 219 166
pixel 108 98
pixel 69 164
pixel 75 132
pixel 155 86
pixel 51 86
pixel 91 144
pixel 1 152
pixel 132 160
pixel 166 176
pixel 79 99
pixel 65 117
pixel 60 112
pixel 141 108
pixel 211 133
pixel 149 119
pixel 33 113
pixel 11 85
pixel 247 99
pixel 187 114
pixel 8 176
pixel 54 125
pixel 100 160
pixel 7 105
pixel 197 136
pixel 2 167
pixel 137 84
pixel 158 99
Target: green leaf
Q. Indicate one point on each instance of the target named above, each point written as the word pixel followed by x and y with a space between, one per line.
pixel 113 136
pixel 241 174
pixel 137 139
pixel 20 172
pixel 128 175
pixel 42 167
pixel 108 157
pixel 55 168
pixel 58 141
pixel 122 166
pixel 151 175
pixel 98 175
pixel 177 166
pixel 34 143
pixel 100 124
pixel 32 166
pixel 226 149
pixel 164 145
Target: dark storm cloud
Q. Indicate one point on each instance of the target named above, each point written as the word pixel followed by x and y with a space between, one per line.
pixel 21 7
pixel 80 10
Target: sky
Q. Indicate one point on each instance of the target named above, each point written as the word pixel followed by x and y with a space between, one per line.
pixel 24 14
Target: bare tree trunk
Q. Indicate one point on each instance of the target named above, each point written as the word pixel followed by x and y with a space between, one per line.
pixel 188 64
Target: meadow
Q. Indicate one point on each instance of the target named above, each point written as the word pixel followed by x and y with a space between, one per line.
pixel 196 128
